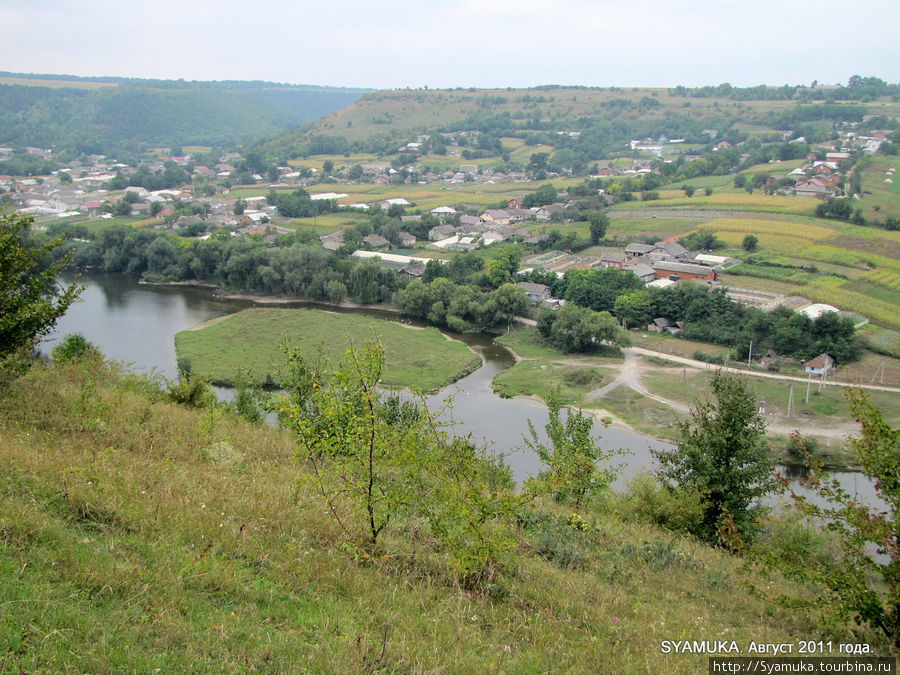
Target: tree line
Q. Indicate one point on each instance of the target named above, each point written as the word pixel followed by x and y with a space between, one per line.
pixel 708 314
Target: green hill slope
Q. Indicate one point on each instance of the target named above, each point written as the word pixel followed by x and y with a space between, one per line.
pixel 102 115
pixel 137 535
pixel 599 119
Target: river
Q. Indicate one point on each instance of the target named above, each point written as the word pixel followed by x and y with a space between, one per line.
pixel 136 325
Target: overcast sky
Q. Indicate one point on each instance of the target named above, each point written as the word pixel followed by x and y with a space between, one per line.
pixel 481 43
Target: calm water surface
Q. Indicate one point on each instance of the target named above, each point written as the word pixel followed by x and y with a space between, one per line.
pixel 136 324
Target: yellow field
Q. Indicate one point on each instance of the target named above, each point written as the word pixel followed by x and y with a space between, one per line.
pixel 886 278
pixel 760 226
pixel 832 291
pixel 759 201
pixel 848 257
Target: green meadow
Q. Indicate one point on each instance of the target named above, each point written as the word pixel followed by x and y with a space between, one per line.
pixel 249 342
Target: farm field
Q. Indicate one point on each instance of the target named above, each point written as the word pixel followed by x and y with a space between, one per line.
pixel 250 342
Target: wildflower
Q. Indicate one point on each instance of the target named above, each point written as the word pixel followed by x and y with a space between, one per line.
pixel 616 619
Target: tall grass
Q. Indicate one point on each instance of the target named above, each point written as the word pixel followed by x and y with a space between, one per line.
pixel 137 535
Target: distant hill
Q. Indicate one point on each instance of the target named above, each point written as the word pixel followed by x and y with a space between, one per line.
pixel 108 115
pixel 602 119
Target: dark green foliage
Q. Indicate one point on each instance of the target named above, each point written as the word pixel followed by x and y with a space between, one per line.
pixel 74 347
pixel 750 243
pixel 597 289
pixel 461 308
pixel 30 300
pixel 702 241
pixel 152 113
pixel 546 194
pixel 572 475
pixel 723 455
pixel 599 222
pixel 863 581
pixel 579 329
pixel 836 208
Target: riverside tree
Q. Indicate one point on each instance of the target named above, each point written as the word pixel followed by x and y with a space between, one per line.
pixel 723 457
pixel 31 301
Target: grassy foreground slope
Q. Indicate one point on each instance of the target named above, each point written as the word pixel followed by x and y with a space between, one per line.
pixel 251 341
pixel 137 535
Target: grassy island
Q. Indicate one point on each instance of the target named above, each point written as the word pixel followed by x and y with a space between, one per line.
pixel 250 341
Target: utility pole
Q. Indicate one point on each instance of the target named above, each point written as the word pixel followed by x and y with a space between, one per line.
pixel 808 382
pixel 790 401
pixel 750 353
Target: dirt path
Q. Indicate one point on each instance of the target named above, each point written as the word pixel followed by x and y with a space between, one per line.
pixel 702 365
pixel 629 375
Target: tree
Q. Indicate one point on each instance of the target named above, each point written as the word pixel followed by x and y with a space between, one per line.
pixel 546 194
pixel 572 475
pixel 688 190
pixel 723 456
pixel 750 243
pixel 633 309
pixel 510 301
pixel 375 461
pixel 30 299
pixel 599 222
pixel 860 584
pixel 579 329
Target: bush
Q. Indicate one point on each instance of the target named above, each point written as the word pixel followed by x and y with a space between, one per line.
pixel 708 358
pixel 648 500
pixel 74 347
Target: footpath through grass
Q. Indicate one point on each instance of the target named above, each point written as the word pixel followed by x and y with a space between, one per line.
pixel 250 342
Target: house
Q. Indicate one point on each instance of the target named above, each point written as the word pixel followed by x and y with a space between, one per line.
pixel 667 269
pixel 413 269
pixel 439 232
pixel 673 248
pixel 821 365
pixel 471 220
pixel 333 241
pixel 498 216
pixel 396 201
pixel 550 211
pixel 638 250
pixel 658 325
pixel 407 239
pixel 642 271
pixel 376 241
pixel 811 189
pixel 535 292
pixel 615 259
pixel 769 361
pixel 492 237
pixel 443 212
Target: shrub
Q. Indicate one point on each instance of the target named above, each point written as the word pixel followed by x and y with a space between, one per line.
pixel 649 500
pixel 74 347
